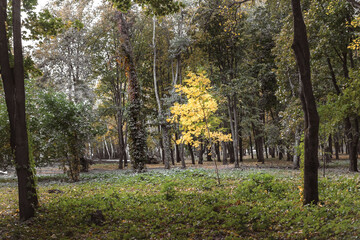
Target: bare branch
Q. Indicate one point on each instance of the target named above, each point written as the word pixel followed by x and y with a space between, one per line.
pixel 355 3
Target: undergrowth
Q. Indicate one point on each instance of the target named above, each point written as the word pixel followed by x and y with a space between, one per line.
pixel 186 204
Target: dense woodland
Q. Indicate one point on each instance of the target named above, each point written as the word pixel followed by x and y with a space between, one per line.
pixel 168 82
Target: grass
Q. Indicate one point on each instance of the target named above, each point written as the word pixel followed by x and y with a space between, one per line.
pixel 186 204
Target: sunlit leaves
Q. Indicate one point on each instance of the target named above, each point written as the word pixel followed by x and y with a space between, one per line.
pixel 196 116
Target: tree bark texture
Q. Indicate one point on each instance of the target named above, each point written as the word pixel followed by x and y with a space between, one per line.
pixel 191 154
pixel 137 138
pixel 302 54
pixel 233 127
pixel 163 126
pixel 13 80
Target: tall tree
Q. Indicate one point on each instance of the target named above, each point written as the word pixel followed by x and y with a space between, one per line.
pixel 311 118
pixel 136 126
pixel 135 121
pixel 163 126
pixel 13 80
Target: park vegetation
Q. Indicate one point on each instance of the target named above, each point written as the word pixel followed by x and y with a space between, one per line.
pixel 172 82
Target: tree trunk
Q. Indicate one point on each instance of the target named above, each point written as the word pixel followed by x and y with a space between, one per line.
pixel 302 53
pixel 296 163
pixel 163 128
pixel 217 151
pixel 231 152
pixel 223 146
pixel 13 80
pixel 259 145
pixel 233 128
pixel 201 153
pixel 236 129
pixel 337 146
pixel 251 146
pixel 352 129
pixel 208 152
pixel 191 154
pixel 177 150
pixel 137 139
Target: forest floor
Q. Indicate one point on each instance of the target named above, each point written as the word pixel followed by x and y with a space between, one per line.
pixel 255 201
pixel 108 165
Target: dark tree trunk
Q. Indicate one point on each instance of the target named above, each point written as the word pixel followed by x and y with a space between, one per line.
pixel 13 80
pixel 191 154
pixel 259 144
pixel 137 139
pixel 121 141
pixel 172 156
pixel 230 147
pixel 241 149
pixel 302 53
pixel 272 152
pixel 280 153
pixel 201 154
pixel 224 151
pixel 217 150
pixel 208 153
pixel 266 150
pixel 161 149
pixel 177 149
pixel 337 147
pixel 289 156
pixel 352 127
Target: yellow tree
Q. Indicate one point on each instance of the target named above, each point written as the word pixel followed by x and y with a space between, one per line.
pixel 197 116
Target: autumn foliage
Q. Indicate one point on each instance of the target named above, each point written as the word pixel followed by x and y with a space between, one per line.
pixel 197 116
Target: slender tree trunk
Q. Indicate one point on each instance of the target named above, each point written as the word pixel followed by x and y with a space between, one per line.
pixel 259 145
pixel 121 143
pixel 233 127
pixel 111 149
pixel 208 152
pixel 217 151
pixel 107 148
pixel 201 154
pixel 302 53
pixel 337 147
pixel 137 137
pixel 240 140
pixel 223 146
pixel 13 81
pixel 191 154
pixel 172 156
pixel 296 163
pixel 177 150
pixel 236 129
pixel 251 146
pixel 163 128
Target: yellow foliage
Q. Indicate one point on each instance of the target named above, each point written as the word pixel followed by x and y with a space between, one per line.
pixel 355 44
pixel 195 116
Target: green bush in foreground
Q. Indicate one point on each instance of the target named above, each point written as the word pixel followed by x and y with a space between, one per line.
pixel 186 205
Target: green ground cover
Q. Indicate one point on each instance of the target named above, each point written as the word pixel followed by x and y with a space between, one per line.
pixel 186 204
